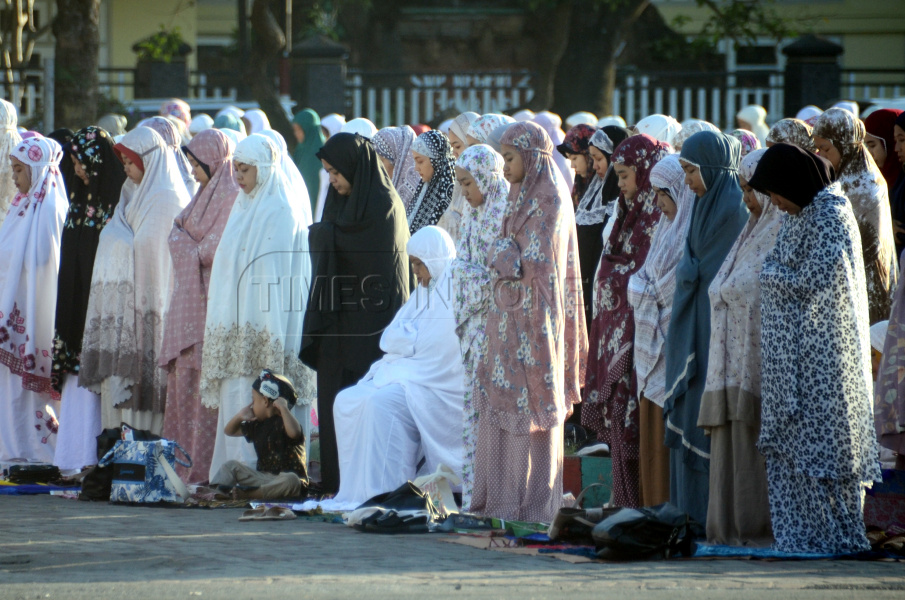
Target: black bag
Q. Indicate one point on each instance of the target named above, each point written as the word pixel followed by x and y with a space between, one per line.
pixel 24 474
pixel 658 531
pixel 407 509
pixel 98 482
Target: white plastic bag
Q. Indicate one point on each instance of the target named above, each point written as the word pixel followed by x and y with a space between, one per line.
pixel 439 486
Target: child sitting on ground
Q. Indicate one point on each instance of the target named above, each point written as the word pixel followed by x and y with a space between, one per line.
pixel 269 424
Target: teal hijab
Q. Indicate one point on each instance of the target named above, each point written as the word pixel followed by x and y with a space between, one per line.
pixel 229 121
pixel 305 154
pixel 717 219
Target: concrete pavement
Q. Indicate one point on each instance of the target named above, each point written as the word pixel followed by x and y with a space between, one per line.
pixel 56 548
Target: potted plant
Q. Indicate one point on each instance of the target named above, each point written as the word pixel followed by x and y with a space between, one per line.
pixel 162 69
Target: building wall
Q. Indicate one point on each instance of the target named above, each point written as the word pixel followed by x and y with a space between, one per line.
pixel 871 31
pixel 131 20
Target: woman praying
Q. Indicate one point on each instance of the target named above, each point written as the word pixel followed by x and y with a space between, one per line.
pixel 839 137
pixel 193 244
pixel 434 162
pixel 359 245
pixel 30 246
pixel 817 432
pixel 710 161
pixel 94 192
pixel 529 377
pixel 611 408
pixel 409 404
pixel 130 286
pixel 480 176
pixel 264 246
pixel 738 512
pixel 650 293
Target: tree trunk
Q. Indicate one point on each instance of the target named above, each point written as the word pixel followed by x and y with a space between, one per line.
pixel 76 65
pixel 586 75
pixel 267 43
pixel 549 28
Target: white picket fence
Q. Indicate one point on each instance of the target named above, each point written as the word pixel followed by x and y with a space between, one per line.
pixel 420 98
pixel 637 98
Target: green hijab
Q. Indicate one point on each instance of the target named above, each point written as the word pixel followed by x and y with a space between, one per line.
pixel 304 154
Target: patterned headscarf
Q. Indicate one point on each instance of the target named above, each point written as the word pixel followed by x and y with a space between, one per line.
pixel 434 145
pixel 460 125
pixel 482 225
pixel 652 287
pixel 395 145
pixel 747 139
pixel 485 124
pixel 613 328
pixel 791 131
pixel 576 142
pixel 689 128
pixel 93 147
pixel 174 107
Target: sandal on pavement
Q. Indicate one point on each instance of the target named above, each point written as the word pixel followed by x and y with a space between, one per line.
pixel 277 513
pixel 255 514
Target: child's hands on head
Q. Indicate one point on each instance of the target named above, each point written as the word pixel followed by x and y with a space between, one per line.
pixel 281 403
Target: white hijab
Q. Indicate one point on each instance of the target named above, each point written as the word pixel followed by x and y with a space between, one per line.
pixel 130 285
pixel 298 191
pixel 257 120
pixel 662 128
pixel 422 349
pixel 30 246
pixel 361 126
pixel 9 138
pixel 200 123
pixel 756 116
pixel 264 245
pixel 333 123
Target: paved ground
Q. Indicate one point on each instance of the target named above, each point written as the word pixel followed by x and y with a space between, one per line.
pixel 56 548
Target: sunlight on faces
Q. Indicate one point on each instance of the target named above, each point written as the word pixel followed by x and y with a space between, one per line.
pixel 470 188
pixel 600 162
pixel 458 146
pixel 784 205
pixel 339 183
pixel 246 176
pixel 420 270
pixel 423 166
pixel 899 135
pixel 666 204
pixel 472 141
pixel 876 148
pixel 827 150
pixel 21 175
pixel 628 180
pixel 299 133
pixel 79 169
pixel 513 166
pixel 742 124
pixel 749 197
pixel 693 179
pixel 133 171
pixel 387 164
pixel 198 172
pixel 579 163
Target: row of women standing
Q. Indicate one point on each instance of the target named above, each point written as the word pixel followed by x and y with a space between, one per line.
pixel 676 351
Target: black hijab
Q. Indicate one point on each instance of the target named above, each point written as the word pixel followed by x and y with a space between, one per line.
pixel 360 240
pixel 64 138
pixel 792 172
pixel 90 208
pixel 897 197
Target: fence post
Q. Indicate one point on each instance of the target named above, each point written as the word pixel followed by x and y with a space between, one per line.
pixel 49 91
pixel 630 100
